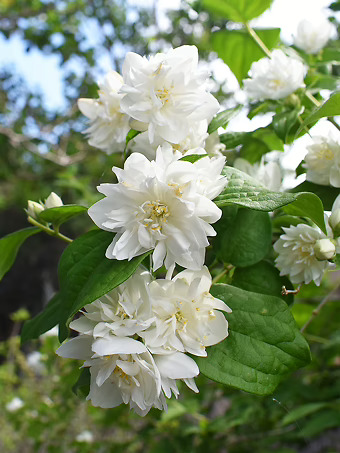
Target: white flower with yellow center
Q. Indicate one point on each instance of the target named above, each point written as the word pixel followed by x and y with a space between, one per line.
pixel 167 93
pixel 163 205
pixel 122 371
pixel 108 124
pixel 275 77
pixel 322 161
pixel 124 311
pixel 312 36
pixel 299 254
pixel 187 316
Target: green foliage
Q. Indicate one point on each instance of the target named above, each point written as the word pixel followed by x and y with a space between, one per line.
pixel 223 118
pixel 328 109
pixel 243 190
pixel 61 214
pixel 284 122
pixel 243 236
pixel 238 10
pixel 264 343
pixel 238 50
pixel 192 158
pixel 10 245
pixel 326 194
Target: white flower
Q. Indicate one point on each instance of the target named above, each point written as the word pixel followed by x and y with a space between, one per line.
pixel 122 371
pixel 275 77
pixel 124 311
pixel 323 161
pixel 53 201
pixel 312 36
pixel 34 209
pixel 163 205
pixel 324 249
pixel 194 139
pixel 213 144
pixel 108 124
pixel 296 254
pixel 175 366
pixel 167 92
pixel 334 219
pixel 85 436
pixel 15 404
pixel 35 362
pixel 269 174
pixel 186 314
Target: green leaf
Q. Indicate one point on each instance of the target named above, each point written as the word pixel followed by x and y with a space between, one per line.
pixel 61 214
pixel 264 344
pixel 237 10
pixel 193 157
pixel 86 274
pixel 44 321
pixel 330 55
pixel 131 135
pixel 233 139
pixel 329 108
pixel 9 247
pixel 301 412
pixel 82 387
pixel 243 190
pixel 284 122
pixel 327 194
pixel 262 278
pixel 223 118
pixel 243 236
pixel 238 50
pixel 254 149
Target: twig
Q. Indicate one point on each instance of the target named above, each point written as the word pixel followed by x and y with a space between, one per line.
pixel 49 231
pixel 319 307
pixel 318 104
pixel 258 40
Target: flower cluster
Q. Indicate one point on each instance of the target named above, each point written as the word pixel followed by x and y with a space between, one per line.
pixel 305 252
pixel 134 339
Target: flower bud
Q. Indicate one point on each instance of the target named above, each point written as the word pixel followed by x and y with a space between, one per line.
pixel 53 201
pixel 34 209
pixel 334 222
pixel 324 249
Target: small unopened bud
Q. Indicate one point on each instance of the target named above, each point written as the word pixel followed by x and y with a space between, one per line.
pixel 53 201
pixel 34 209
pixel 334 222
pixel 324 249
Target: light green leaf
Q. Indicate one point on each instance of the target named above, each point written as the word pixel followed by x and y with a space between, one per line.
pixel 243 236
pixel 243 190
pixel 233 139
pixel 131 135
pixel 264 344
pixel 330 55
pixel 238 50
pixel 327 194
pixel 329 108
pixel 86 274
pixel 284 122
pixel 44 321
pixel 237 10
pixel 193 157
pixel 262 278
pixel 301 412
pixel 223 118
pixel 9 247
pixel 61 214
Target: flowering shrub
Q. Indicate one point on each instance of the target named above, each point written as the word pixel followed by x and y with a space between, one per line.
pixel 156 281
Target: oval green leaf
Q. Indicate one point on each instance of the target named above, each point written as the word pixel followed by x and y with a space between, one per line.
pixel 237 10
pixel 61 214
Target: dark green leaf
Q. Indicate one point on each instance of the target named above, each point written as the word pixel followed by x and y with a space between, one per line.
pixel 237 10
pixel 82 386
pixel 326 194
pixel 238 50
pixel 264 344
pixel 61 214
pixel 243 236
pixel 262 278
pixel 254 149
pixel 44 321
pixel 329 108
pixel 284 122
pixel 223 118
pixel 233 139
pixel 86 274
pixel 243 190
pixel 301 412
pixel 9 247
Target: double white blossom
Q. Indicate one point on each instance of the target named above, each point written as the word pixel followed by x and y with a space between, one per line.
pixel 187 316
pixel 275 77
pixel 163 205
pixel 108 124
pixel 166 93
pixel 322 161
pixel 299 254
pixel 312 36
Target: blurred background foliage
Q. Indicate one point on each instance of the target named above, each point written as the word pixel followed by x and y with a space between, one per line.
pixel 42 150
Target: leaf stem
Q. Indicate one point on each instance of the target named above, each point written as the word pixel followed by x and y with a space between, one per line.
pixel 48 230
pixel 258 40
pixel 222 274
pixel 318 104
pixel 319 307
